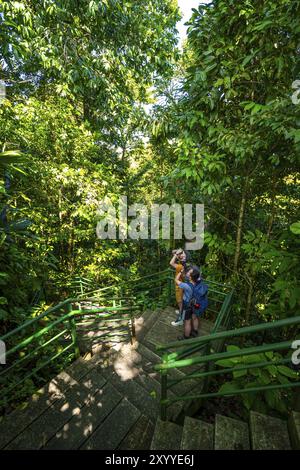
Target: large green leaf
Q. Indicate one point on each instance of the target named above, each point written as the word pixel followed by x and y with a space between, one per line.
pixel 295 228
pixel 10 157
pixel 229 387
pixel 287 372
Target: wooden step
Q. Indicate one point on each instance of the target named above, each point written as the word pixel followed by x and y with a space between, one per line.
pixel 168 315
pixel 161 333
pixel 78 429
pixel 145 322
pixel 294 429
pixel 177 410
pixel 110 434
pixel 167 436
pixel 134 392
pixel 20 419
pixel 231 434
pixel 197 435
pixel 128 370
pixel 139 436
pixel 150 380
pixel 149 354
pixel 268 433
pixel 152 358
pixel 57 415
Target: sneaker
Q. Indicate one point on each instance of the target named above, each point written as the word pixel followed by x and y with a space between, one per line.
pixel 177 322
pixel 194 334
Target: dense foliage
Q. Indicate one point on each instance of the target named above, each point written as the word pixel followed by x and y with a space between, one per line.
pixel 234 116
pixel 237 135
pixel 77 83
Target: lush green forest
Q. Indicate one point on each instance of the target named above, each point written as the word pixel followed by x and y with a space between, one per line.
pixel 101 101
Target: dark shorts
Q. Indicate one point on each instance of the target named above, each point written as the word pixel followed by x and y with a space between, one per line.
pixel 190 311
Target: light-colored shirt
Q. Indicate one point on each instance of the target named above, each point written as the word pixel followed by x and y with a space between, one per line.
pixel 187 291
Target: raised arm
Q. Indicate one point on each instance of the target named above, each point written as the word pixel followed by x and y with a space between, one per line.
pixel 173 261
pixel 174 258
pixel 178 279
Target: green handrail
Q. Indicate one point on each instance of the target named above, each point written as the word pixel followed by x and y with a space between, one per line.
pixel 65 317
pixel 230 393
pixel 127 284
pixel 210 358
pixel 231 333
pixel 30 342
pixel 103 313
pixel 46 313
pixel 257 365
pixel 59 323
pixel 224 355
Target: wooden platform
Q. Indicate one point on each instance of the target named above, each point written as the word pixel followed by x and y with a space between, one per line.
pixel 163 332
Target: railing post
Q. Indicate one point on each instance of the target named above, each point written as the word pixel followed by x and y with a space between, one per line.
pixel 164 395
pixel 164 390
pixel 296 401
pixel 72 324
pixel 132 326
pixel 208 367
pixel 170 289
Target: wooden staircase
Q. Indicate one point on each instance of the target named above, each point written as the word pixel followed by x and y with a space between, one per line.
pixel 261 433
pixel 110 401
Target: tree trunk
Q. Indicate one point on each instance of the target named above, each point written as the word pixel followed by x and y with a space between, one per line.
pixel 86 110
pixel 272 215
pixel 240 227
pixel 61 245
pixel 249 302
pixel 225 226
pixel 71 250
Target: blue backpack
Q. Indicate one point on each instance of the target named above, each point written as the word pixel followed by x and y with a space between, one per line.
pixel 199 301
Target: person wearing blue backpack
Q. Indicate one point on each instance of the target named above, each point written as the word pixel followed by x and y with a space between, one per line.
pixel 195 301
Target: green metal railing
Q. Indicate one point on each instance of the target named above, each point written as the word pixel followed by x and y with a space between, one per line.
pixel 153 281
pixel 80 285
pixel 44 345
pixel 204 352
pixel 37 345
